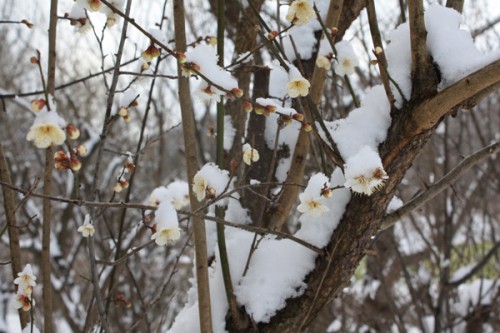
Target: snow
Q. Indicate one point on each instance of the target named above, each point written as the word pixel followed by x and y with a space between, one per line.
pixel 452 48
pixel 229 133
pixel 398 55
pixel 205 57
pixel 364 126
pixel 277 268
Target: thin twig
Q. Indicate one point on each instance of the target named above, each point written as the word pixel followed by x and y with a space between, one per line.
pixel 440 185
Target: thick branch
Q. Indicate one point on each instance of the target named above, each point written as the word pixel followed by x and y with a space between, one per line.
pixel 427 114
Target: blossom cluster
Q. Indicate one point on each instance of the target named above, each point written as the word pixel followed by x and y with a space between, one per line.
pixel 25 282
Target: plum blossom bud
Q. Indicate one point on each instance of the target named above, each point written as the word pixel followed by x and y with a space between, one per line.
pixel 34 60
pixel 81 150
pixel 326 192
pixel 181 57
pixel 378 50
pixel 38 104
pixel 124 183
pixel 307 127
pixel 272 35
pixel 72 132
pixel 212 41
pixel 247 106
pixel 144 67
pixel 286 120
pixel 129 166
pixel 127 118
pixel 150 53
pixel 259 109
pixel 123 112
pixel 323 62
pixel 117 188
pixel 61 160
pixel 298 117
pixel 74 163
pixel 334 31
pixel 237 92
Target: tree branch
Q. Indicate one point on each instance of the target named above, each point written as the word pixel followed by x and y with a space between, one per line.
pixel 442 184
pixel 189 130
pixel 428 113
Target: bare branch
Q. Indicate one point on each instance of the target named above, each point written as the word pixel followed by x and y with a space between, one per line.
pixel 440 185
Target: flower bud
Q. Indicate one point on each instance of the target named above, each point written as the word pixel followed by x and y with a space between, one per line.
pixel 327 192
pixel 34 60
pixel 181 57
pixel 72 131
pixel 124 183
pixel 123 112
pixel 272 35
pixel 259 109
pixel 306 127
pixel 247 106
pixel 212 41
pixel 117 188
pixel 81 150
pixel 75 163
pixel 150 53
pixel 237 92
pixel 298 116
pixel 378 50
pixel 286 120
pixel 38 104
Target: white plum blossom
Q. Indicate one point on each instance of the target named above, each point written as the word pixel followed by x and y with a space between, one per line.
pixel 166 236
pixel 364 172
pixel 313 199
pixel 250 154
pixel 311 205
pixel 323 62
pixel 346 59
pixel 300 12
pixel 210 181
pixel 87 230
pixel 26 280
pixel 297 85
pixel 200 186
pixel 47 130
pixel 167 225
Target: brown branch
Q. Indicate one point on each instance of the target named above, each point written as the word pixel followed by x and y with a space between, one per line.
pixel 46 264
pixel 440 185
pixel 260 231
pixel 477 267
pixel 10 215
pixel 428 113
pixel 377 43
pixel 189 130
pixel 423 74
